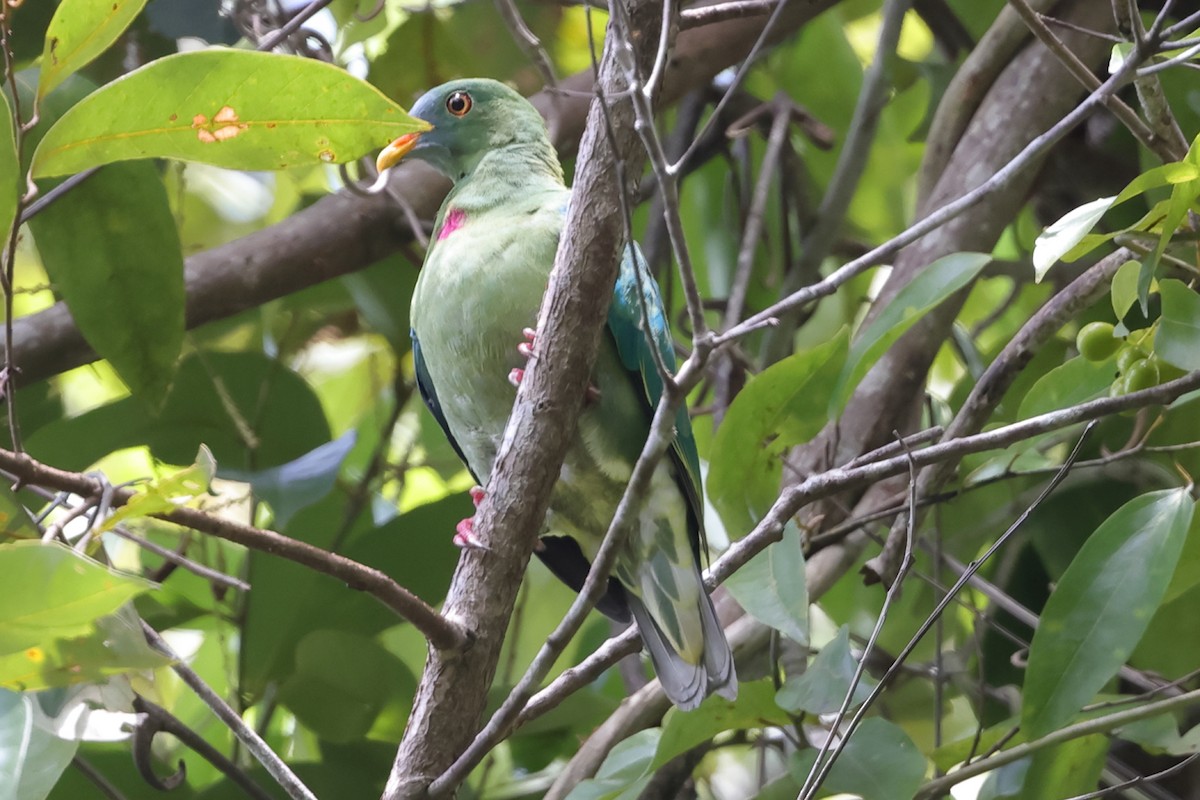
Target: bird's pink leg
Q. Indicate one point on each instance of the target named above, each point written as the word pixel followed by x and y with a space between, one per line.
pixel 464 531
pixel 591 395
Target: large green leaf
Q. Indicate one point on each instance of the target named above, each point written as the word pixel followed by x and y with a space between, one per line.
pixel 80 31
pixel 111 243
pixel 51 591
pixel 1178 339
pixel 231 108
pixel 930 287
pixel 1102 605
pixel 1069 384
pixel 879 762
pixel 822 688
pixel 771 586
pixel 1066 770
pixel 341 683
pixel 782 406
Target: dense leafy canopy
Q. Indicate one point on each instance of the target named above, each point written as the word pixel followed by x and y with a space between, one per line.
pixel 213 434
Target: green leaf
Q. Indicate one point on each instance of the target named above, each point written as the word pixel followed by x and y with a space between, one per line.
pixel 1124 287
pixel 1060 237
pixel 1069 384
pixel 10 170
pixel 111 243
pixel 755 707
pixel 341 683
pixel 1067 770
pixel 214 400
pixel 80 31
pixel 625 772
pixel 116 647
pixel 822 688
pixel 15 521
pixel 299 483
pixel 166 493
pixel 1100 608
pixel 879 762
pixel 51 591
pixel 1178 339
pixel 771 586
pixel 932 285
pixel 781 406
pixel 230 108
pixel 31 758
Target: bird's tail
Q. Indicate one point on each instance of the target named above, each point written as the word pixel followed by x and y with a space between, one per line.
pixel 687 684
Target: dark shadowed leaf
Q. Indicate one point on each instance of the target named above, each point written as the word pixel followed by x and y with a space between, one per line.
pixel 110 244
pixel 822 687
pixel 300 482
pixel 879 762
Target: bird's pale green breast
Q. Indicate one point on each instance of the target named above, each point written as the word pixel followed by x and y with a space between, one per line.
pixel 481 284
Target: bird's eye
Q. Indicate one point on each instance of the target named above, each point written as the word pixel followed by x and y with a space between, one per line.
pixel 458 103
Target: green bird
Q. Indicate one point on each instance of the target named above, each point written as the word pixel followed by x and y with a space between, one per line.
pixel 480 288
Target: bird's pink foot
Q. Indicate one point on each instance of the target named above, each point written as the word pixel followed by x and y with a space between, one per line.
pixel 477 494
pixel 525 348
pixel 464 536
pixel 591 395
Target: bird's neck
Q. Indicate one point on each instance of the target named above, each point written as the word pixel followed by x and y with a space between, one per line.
pixel 506 173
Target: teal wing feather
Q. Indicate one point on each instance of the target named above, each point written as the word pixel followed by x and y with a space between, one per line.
pixel 636 298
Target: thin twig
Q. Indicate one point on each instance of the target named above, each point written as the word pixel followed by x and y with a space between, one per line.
pixel 258 748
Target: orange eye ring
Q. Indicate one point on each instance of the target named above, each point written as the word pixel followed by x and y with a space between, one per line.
pixel 459 103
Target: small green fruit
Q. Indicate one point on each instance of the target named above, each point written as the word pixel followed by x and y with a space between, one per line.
pixel 1141 375
pixel 1128 357
pixel 1096 342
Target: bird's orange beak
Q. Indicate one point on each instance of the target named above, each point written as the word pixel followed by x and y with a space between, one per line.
pixel 391 155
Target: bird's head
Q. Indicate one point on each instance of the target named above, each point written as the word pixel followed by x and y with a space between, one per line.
pixel 468 118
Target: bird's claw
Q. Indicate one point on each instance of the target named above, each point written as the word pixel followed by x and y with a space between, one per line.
pixel 516 376
pixel 464 536
pixel 477 494
pixel 525 348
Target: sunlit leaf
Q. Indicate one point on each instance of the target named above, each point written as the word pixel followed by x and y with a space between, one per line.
pixel 771 586
pixel 51 591
pixel 117 646
pixel 80 31
pixel 1102 605
pixel 31 758
pixel 1058 239
pixel 230 108
pixel 166 493
pixel 931 286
